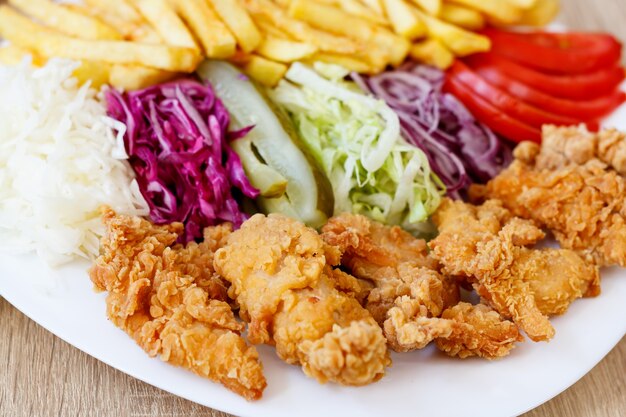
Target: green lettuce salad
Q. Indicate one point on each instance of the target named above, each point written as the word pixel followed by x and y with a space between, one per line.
pixel 356 140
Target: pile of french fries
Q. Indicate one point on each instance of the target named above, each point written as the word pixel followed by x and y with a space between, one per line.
pixel 132 44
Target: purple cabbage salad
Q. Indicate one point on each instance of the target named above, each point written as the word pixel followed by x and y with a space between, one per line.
pixel 177 141
pixel 459 148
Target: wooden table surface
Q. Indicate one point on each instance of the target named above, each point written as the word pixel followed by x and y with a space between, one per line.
pixel 40 375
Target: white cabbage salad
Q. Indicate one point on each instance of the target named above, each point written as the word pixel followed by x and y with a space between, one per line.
pixel 60 161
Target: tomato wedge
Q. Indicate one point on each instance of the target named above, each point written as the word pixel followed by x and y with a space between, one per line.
pixel 573 87
pixel 491 116
pixel 558 53
pixel 583 110
pixel 508 104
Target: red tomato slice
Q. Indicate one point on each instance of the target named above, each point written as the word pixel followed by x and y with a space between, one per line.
pixel 573 87
pixel 558 53
pixel 495 119
pixel 510 105
pixel 584 110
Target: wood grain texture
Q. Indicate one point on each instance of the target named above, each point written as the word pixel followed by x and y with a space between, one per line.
pixel 40 375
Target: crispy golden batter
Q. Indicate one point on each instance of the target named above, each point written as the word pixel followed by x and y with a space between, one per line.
pixel 282 277
pixel 486 244
pixel 573 186
pixel 478 331
pixel 394 262
pixel 409 294
pixel 463 330
pixel 171 302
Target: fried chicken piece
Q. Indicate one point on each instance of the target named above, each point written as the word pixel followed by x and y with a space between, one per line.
pixel 463 330
pixel 573 186
pixel 393 261
pixel 169 299
pixel 486 244
pixel 409 294
pixel 478 331
pixel 282 277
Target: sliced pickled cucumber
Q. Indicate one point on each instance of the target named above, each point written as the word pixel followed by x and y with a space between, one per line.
pixel 307 194
pixel 265 179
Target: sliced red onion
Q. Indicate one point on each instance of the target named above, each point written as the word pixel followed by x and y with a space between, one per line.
pixel 459 148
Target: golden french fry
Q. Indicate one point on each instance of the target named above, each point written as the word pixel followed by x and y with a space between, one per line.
pixel 213 35
pixel 375 5
pixel 235 16
pixel 94 71
pixel 501 10
pixel 263 70
pixel 122 9
pixel 134 77
pixel 404 22
pixel 283 50
pixel 525 4
pixel 432 7
pixel 462 16
pixel 166 22
pixel 355 8
pixel 331 19
pixel 348 62
pixel 396 47
pixel 298 30
pixel 432 52
pixel 541 14
pixel 13 55
pixel 460 41
pixel 66 21
pixel 267 28
pixel 23 32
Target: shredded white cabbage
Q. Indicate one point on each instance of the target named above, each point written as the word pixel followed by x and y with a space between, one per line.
pixel 357 141
pixel 60 161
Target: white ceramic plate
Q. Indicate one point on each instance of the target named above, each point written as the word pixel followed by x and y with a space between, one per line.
pixel 424 383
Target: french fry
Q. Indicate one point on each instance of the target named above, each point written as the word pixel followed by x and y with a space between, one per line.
pixel 355 8
pixel 375 5
pixel 503 11
pixel 263 70
pixel 404 22
pixel 267 28
pixel 237 19
pixel 215 38
pixel 123 27
pixel 432 52
pixel 432 7
pixel 97 73
pixel 353 64
pixel 13 55
pixel 396 46
pixel 283 50
pixel 134 77
pixel 462 16
pixel 120 8
pixel 66 21
pixel 129 24
pixel 526 4
pixel 298 30
pixel 331 19
pixel 166 22
pixel 25 33
pixel 460 41
pixel 92 71
pixel 542 14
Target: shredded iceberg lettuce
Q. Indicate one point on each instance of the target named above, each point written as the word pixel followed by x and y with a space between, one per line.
pixel 357 141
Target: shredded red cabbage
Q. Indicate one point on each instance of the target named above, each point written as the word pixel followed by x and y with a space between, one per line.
pixel 177 142
pixel 460 149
